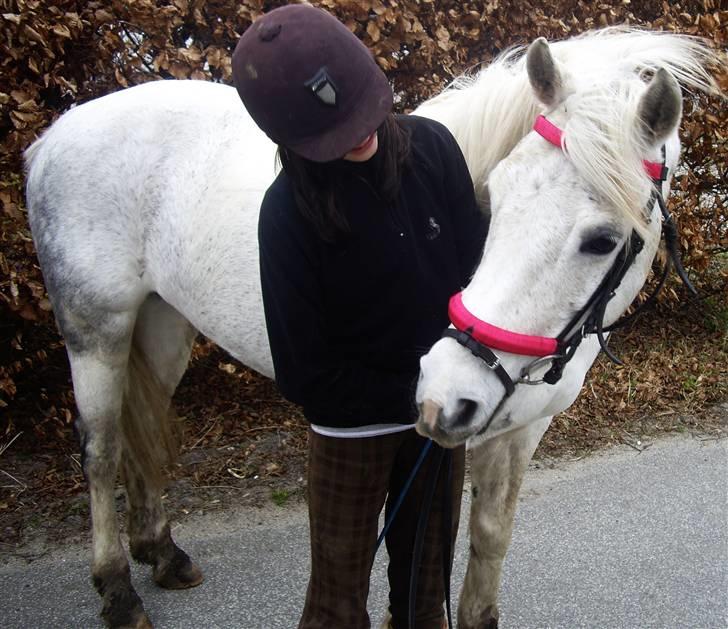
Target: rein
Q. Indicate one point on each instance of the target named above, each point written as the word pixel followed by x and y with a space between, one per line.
pixel 441 456
pixel 481 338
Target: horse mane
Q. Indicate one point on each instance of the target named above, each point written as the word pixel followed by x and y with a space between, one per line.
pixel 490 111
pixel 487 112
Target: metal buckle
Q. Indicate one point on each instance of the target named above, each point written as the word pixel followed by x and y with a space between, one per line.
pixel 525 377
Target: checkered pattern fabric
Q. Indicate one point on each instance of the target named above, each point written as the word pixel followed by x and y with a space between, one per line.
pixel 349 481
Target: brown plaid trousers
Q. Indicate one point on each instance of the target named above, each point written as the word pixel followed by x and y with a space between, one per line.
pixel 349 481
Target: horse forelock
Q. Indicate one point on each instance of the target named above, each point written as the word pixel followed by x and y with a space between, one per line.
pixel 490 111
pixel 602 130
pixel 603 142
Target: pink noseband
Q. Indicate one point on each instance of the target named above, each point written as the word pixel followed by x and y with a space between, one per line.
pixel 495 337
pixel 498 338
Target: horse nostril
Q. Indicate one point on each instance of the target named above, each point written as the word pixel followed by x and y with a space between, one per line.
pixel 430 414
pixel 464 412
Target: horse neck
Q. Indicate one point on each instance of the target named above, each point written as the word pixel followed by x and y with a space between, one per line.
pixel 488 116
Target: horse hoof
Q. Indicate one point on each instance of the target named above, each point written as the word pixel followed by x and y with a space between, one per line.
pixel 191 576
pixel 486 619
pixel 142 622
pixel 178 574
pixel 139 620
pixel 123 609
pixel 387 622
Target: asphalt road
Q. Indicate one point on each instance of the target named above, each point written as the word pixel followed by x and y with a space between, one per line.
pixel 620 539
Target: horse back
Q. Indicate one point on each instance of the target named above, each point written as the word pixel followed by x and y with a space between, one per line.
pixel 151 189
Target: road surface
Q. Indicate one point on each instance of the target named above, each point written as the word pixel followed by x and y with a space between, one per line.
pixel 619 539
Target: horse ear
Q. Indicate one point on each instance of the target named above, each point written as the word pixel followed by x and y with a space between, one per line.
pixel 543 73
pixel 660 107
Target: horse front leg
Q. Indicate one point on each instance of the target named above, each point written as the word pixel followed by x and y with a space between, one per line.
pixel 98 382
pixel 496 471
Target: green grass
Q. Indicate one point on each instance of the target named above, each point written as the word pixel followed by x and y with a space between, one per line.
pixel 690 384
pixel 280 497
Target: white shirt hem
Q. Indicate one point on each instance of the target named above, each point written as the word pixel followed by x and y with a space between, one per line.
pixel 358 432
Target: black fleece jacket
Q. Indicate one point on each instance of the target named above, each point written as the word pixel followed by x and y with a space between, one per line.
pixel 348 321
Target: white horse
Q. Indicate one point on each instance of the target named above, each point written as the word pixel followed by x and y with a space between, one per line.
pixel 562 218
pixel 143 207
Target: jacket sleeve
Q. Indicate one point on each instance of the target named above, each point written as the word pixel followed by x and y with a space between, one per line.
pixel 470 221
pixel 308 370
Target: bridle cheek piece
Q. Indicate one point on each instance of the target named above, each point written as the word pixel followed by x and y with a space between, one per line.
pixel 481 338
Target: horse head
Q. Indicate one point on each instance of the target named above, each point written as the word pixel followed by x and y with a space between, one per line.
pixel 562 218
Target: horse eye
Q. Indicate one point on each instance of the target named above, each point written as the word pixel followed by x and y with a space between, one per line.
pixel 600 245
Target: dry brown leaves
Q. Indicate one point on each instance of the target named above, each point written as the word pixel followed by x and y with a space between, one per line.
pixel 57 53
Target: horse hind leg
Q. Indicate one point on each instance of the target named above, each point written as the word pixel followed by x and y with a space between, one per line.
pixel 98 354
pixel 160 353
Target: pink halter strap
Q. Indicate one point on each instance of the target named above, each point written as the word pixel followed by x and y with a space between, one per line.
pixel 498 338
pixel 495 337
pixel 550 132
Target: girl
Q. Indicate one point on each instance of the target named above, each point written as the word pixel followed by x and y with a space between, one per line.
pixel 367 230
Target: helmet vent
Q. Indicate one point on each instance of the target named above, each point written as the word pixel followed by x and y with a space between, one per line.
pixel 268 32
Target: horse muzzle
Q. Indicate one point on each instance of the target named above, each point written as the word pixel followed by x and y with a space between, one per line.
pixel 449 428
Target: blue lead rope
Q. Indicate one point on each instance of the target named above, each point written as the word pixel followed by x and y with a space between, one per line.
pixel 403 494
pixel 431 485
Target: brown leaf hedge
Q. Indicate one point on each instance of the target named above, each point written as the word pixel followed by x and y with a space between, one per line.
pixel 54 54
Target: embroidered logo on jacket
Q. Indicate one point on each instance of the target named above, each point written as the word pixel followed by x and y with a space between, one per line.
pixel 433 229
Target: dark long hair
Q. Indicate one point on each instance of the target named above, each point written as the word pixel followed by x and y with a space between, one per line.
pixel 318 187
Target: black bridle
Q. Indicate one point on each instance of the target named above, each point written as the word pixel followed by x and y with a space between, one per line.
pixel 590 318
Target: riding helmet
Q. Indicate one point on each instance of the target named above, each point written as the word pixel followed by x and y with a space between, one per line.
pixel 309 83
